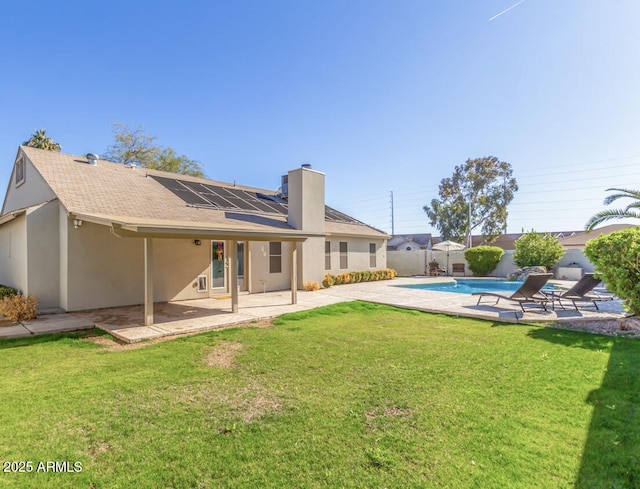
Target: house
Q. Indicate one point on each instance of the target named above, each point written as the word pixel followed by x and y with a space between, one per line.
pixel 409 242
pixel 83 233
pixel 578 240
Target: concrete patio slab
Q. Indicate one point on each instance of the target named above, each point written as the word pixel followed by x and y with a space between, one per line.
pixel 57 323
pixel 174 318
pixel 14 331
pixel 46 323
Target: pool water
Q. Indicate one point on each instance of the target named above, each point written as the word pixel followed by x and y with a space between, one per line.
pixel 462 286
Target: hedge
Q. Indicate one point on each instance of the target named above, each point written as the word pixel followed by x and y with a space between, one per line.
pixel 356 277
pixel 483 260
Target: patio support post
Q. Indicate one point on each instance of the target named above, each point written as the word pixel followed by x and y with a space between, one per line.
pixel 233 275
pixel 148 281
pixel 294 273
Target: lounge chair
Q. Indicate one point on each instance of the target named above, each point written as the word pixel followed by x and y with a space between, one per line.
pixel 458 268
pixel 528 293
pixel 582 291
pixel 434 269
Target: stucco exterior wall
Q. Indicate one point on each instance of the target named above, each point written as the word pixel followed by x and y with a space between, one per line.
pixel 176 266
pixel 260 278
pixel 103 270
pixel 13 253
pixel 33 191
pixel 576 256
pixel 409 263
pixel 311 261
pixel 416 262
pixel 358 256
pixel 107 271
pixel 63 247
pixel 43 251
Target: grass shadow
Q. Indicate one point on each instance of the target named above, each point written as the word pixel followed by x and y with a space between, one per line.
pixel 612 448
pixel 573 339
pixel 50 337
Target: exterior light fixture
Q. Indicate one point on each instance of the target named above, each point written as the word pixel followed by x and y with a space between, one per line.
pixel 197 242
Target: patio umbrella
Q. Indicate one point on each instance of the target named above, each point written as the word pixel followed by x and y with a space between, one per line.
pixel 447 246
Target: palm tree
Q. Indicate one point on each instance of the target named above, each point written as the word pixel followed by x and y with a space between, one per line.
pixel 39 139
pixel 629 211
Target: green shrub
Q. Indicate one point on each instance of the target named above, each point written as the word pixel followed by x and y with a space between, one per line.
pixel 18 307
pixel 534 249
pixel 483 260
pixel 5 290
pixel 616 258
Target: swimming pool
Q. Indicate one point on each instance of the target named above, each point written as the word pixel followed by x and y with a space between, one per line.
pixel 468 286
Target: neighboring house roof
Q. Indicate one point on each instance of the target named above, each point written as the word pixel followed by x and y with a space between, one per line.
pixel 131 198
pixel 508 241
pixel 401 241
pixel 579 239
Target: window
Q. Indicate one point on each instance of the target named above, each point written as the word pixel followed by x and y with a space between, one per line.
pixel 19 171
pixel 327 255
pixel 344 255
pixel 372 255
pixel 275 257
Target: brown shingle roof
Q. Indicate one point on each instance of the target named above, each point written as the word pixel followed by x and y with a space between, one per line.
pixel 579 240
pixel 112 191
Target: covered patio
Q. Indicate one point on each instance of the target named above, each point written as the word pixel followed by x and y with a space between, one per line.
pixel 147 230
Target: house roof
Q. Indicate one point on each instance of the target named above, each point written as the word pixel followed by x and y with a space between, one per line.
pixel 132 200
pixel 398 240
pixel 579 240
pixel 507 241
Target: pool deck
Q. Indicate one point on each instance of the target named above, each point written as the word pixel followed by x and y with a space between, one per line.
pixel 180 317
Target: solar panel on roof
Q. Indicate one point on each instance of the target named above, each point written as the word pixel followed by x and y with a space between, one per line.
pixel 182 191
pixel 217 197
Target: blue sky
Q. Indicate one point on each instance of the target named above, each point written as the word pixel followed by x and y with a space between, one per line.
pixel 381 96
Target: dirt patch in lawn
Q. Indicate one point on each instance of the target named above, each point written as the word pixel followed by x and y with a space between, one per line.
pixel 249 403
pixel 223 354
pixel 382 415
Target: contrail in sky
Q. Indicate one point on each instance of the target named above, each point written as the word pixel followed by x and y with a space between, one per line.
pixel 505 11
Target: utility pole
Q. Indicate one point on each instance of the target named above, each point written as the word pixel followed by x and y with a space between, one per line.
pixel 504 199
pixel 470 241
pixel 393 230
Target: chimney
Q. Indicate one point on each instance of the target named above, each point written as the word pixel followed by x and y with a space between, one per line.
pixel 306 199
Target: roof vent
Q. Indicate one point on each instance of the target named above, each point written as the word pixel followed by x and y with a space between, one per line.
pixel 306 166
pixel 92 158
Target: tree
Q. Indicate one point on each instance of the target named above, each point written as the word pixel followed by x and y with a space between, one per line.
pixel 171 162
pixel 534 249
pixel 629 211
pixel 615 257
pixel 487 186
pixel 135 146
pixel 132 146
pixel 39 139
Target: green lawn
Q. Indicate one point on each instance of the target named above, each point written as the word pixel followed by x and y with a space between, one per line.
pixel 352 395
